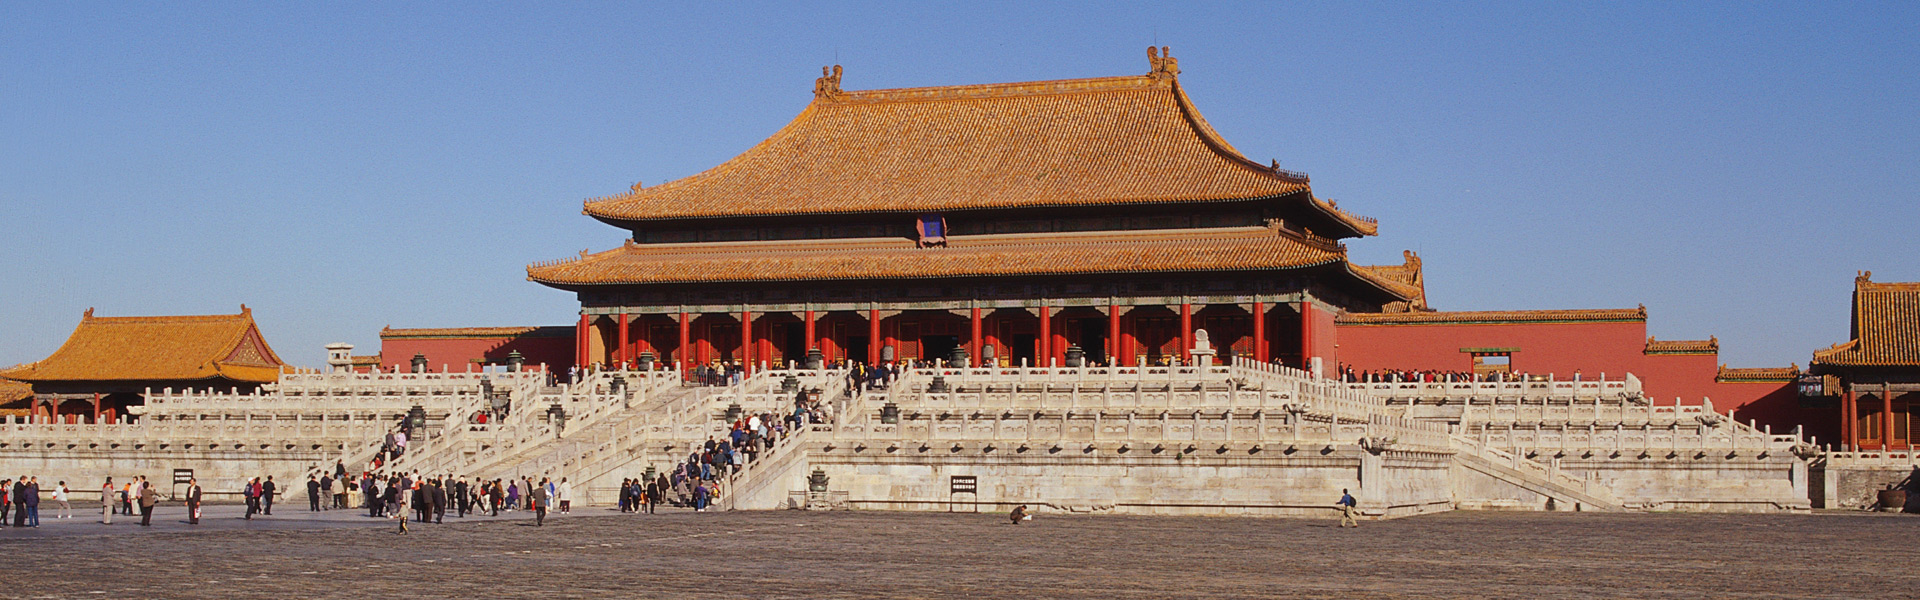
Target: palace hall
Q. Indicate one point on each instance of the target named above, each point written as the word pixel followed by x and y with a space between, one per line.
pixel 1048 222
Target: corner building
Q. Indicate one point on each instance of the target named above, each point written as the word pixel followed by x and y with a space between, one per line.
pixel 993 224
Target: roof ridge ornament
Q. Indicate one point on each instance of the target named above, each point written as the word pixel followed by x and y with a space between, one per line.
pixel 828 85
pixel 1164 65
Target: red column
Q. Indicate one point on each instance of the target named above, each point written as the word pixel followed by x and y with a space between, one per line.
pixel 1186 331
pixel 973 347
pixel 1260 332
pixel 811 342
pixel 1127 341
pixel 1113 334
pixel 685 350
pixel 746 339
pixel 1045 351
pixel 873 337
pixel 620 355
pixel 580 342
pixel 1306 334
pixel 1886 418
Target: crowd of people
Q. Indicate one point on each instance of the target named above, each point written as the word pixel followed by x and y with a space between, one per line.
pixel 20 499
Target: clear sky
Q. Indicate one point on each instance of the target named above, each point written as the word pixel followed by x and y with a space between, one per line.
pixel 340 167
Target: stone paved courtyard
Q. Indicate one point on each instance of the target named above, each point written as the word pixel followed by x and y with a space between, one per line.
pixel 599 554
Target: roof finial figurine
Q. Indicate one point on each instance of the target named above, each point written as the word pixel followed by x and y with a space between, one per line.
pixel 828 85
pixel 637 186
pixel 1165 66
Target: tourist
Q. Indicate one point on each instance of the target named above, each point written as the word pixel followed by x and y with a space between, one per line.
pixel 655 487
pixel 539 501
pixel 313 494
pixel 440 501
pixel 513 495
pixel 106 502
pixel 126 497
pixel 251 491
pixel 6 499
pixel 1346 510
pixel 564 493
pixel 33 501
pixel 148 498
pixel 193 501
pixel 266 495
pixel 60 497
pixel 133 494
pixel 1020 514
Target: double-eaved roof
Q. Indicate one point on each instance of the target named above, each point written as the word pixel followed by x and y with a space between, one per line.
pixel 1088 253
pixel 1886 327
pixel 175 348
pixel 1069 143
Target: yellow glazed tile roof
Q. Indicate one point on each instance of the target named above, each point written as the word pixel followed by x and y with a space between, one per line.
pixel 1757 374
pixel 1886 326
pixel 1078 142
pixel 182 348
pixel 1706 346
pixel 1408 276
pixel 1235 248
pixel 13 391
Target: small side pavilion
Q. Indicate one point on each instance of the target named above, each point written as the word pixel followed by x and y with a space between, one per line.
pixel 108 363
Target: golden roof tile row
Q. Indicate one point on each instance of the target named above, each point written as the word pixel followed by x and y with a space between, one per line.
pixel 468 332
pixel 1757 374
pixel 1710 345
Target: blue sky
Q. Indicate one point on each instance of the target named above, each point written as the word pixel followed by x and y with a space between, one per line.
pixel 340 167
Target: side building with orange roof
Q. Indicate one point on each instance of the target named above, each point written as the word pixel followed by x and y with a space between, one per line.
pixel 109 362
pixel 1872 381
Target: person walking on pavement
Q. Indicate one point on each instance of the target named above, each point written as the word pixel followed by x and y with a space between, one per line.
pixel 193 501
pixel 19 497
pixel 1346 510
pixel 60 495
pixel 266 495
pixel 148 498
pixel 33 501
pixel 313 494
pixel 106 502
pixel 539 500
pixel 652 497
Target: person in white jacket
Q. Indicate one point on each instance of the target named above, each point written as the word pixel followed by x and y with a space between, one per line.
pixel 565 496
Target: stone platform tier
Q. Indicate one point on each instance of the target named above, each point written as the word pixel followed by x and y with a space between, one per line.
pixel 1245 438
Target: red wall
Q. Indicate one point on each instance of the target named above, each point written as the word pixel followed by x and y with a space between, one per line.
pixel 1590 349
pixel 1557 348
pixel 455 354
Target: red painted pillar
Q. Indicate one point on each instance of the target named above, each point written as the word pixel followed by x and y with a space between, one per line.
pixel 620 354
pixel 1306 335
pixel 1886 419
pixel 1045 351
pixel 873 337
pixel 580 342
pixel 746 340
pixel 1113 334
pixel 1127 341
pixel 1260 332
pixel 973 346
pixel 685 350
pixel 811 342
pixel 1186 331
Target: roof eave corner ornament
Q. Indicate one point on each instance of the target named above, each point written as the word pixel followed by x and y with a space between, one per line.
pixel 827 87
pixel 1164 65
